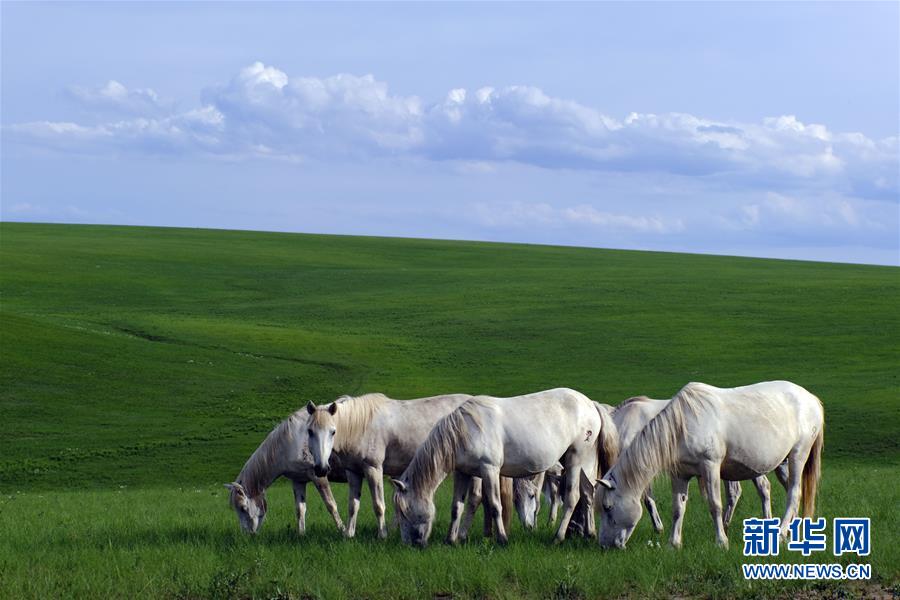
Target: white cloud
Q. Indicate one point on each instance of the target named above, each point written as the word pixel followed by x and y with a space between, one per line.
pixel 531 214
pixel 264 112
pixel 116 98
pixel 775 211
pixel 644 224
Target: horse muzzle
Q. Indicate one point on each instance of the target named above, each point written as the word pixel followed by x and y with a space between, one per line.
pixel 321 471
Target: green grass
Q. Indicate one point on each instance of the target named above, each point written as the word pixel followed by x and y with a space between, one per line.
pixel 141 366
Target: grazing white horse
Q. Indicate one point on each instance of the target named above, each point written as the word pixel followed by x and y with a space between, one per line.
pixel 515 437
pixel 632 415
pixel 373 435
pixel 283 453
pixel 713 433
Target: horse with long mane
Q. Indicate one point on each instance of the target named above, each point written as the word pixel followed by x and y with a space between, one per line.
pixel 713 433
pixel 373 435
pixel 632 415
pixel 488 437
pixel 283 453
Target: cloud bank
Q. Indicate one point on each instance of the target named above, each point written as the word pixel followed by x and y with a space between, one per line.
pixel 263 112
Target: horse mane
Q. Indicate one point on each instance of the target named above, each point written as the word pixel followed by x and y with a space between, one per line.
pixel 353 417
pixel 633 400
pixel 257 473
pixel 607 439
pixel 655 448
pixel 437 454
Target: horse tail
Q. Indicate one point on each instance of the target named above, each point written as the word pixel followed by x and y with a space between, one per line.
pixel 607 441
pixel 506 501
pixel 812 471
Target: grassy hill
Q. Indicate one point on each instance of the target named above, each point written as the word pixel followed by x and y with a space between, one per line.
pixel 139 367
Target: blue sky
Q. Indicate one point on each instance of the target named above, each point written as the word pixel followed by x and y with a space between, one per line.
pixel 754 129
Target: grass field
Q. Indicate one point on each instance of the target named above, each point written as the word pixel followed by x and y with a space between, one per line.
pixel 139 367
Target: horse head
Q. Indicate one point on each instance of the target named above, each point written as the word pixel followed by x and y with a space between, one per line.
pixel 414 513
pixel 251 510
pixel 321 431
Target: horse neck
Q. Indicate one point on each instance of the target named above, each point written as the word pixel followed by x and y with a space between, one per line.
pixel 653 450
pixel 426 486
pixel 434 460
pixel 267 463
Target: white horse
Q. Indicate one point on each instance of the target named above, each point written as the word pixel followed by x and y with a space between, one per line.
pixel 283 453
pixel 372 435
pixel 712 433
pixel 515 437
pixel 632 415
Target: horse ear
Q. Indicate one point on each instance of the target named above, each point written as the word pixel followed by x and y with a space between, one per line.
pixel 234 485
pixel 333 408
pixel 310 407
pixel 608 484
pixel 398 483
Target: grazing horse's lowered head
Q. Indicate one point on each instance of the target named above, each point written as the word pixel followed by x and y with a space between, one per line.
pixel 415 514
pixel 321 431
pixel 251 510
pixel 619 514
pixel 527 499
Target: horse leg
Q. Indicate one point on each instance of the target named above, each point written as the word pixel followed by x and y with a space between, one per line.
pixel 765 495
pixel 300 502
pixel 572 491
pixel 538 483
pixel 487 522
pixel 328 498
pixel 679 503
pixel 552 491
pixel 794 480
pixel 587 500
pixel 650 503
pixel 490 481
pixel 781 472
pixel 507 505
pixel 733 491
pixel 461 485
pixel 375 479
pixel 714 497
pixel 354 491
pixel 473 501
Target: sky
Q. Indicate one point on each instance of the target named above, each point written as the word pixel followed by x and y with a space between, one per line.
pixel 759 129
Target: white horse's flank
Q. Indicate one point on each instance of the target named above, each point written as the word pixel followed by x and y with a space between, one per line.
pixel 712 433
pixel 515 437
pixel 632 415
pixel 373 435
pixel 283 453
